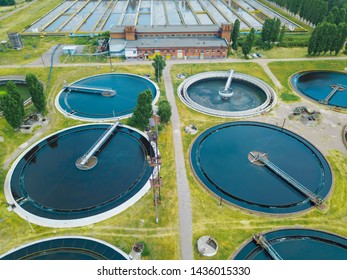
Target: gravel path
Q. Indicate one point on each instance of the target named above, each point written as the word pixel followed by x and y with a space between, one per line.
pixel 184 207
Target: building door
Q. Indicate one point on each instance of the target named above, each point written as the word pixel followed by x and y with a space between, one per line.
pixel 179 54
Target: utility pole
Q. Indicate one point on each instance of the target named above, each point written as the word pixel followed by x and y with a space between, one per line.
pixel 155 161
pixel 109 55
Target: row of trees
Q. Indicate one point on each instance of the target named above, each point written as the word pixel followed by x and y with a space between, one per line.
pixel 271 33
pixel 36 91
pixel 327 37
pixel 11 103
pixel 7 2
pixel 143 111
pixel 314 11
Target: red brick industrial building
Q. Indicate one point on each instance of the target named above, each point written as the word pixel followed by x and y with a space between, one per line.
pixel 172 42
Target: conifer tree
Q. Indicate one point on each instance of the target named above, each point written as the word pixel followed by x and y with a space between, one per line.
pixel 12 90
pixel 235 35
pixel 11 110
pixel 143 110
pixel 248 44
pixel 282 33
pixel 158 65
pixel 36 91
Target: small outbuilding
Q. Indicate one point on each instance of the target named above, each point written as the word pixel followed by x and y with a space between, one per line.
pixel 69 49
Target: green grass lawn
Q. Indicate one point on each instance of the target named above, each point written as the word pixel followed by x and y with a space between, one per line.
pixel 4 10
pixel 229 225
pixel 135 224
pixel 24 18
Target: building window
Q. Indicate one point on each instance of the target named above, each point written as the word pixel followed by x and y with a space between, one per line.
pixel 188 35
pixel 210 35
pixel 207 51
pixel 183 35
pixel 178 35
pixel 218 50
pixel 205 35
pixel 194 35
pixel 172 35
pixel 199 35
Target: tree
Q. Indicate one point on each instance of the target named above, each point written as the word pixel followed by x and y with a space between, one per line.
pixel 340 37
pixel 327 37
pixel 164 111
pixel 7 2
pixel 143 110
pixel 36 91
pixel 266 30
pixel 11 110
pixel 2 93
pixel 12 90
pixel 158 64
pixel 275 31
pixel 235 35
pixel 313 42
pixel 282 33
pixel 270 32
pixel 248 44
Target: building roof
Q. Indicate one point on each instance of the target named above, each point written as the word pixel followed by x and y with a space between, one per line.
pixel 169 28
pixel 177 42
pixel 117 45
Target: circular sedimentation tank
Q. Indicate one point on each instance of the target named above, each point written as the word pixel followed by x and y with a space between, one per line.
pixel 247 96
pixel 66 248
pixel 296 175
pixel 45 186
pixel 325 87
pixel 294 244
pixel 104 97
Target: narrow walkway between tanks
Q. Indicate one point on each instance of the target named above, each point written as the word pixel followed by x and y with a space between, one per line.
pixel 264 65
pixel 184 207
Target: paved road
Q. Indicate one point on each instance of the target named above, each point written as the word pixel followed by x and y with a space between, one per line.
pixel 184 207
pixel 261 61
